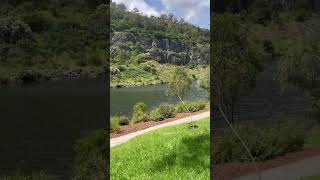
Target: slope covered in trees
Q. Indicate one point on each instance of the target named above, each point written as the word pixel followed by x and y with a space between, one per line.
pixel 143 48
pixel 52 39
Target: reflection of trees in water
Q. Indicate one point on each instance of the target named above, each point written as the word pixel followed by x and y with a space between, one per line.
pixel 268 102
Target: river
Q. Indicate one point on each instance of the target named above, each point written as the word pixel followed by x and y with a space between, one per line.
pixel 40 124
pixel 123 99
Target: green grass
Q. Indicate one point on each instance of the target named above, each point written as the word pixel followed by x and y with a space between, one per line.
pixel 311 178
pixel 314 137
pixel 175 152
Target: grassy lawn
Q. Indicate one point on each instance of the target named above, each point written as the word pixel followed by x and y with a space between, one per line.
pixel 311 178
pixel 314 138
pixel 175 152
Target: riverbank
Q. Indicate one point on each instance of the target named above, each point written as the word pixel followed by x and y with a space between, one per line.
pixel 15 76
pixel 149 73
pixel 269 167
pixel 127 129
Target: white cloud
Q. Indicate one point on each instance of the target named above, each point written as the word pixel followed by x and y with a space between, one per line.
pixel 195 11
pixel 141 5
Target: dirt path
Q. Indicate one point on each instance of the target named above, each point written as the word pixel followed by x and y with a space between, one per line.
pixel 122 139
pixel 293 171
pixel 276 168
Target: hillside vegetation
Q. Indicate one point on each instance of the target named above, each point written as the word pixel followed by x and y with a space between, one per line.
pixel 45 40
pixel 144 48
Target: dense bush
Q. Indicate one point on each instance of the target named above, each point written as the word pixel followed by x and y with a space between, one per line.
pixel 190 106
pixel 150 66
pixel 114 123
pixel 263 143
pixel 162 112
pixel 124 120
pixel 167 110
pixel 155 115
pixel 91 157
pixel 53 37
pixel 140 113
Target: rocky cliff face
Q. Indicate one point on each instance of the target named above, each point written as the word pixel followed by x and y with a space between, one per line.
pixel 162 49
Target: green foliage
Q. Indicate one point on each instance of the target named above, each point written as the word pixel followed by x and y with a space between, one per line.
pixel 203 80
pixel 234 62
pixel 155 115
pixel 264 143
pixel 91 160
pixel 150 66
pixel 39 20
pixel 12 30
pixel 54 37
pixel 179 82
pixel 190 106
pixel 140 113
pixel 114 123
pixel 300 67
pixel 124 120
pixel 268 47
pixel 165 26
pixel 167 110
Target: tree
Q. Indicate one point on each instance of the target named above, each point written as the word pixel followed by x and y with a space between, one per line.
pixel 234 63
pixel 301 67
pixel 14 35
pixel 179 83
pixel 204 80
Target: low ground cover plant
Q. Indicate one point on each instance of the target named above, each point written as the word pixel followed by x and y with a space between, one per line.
pixel 191 106
pixel 114 123
pixel 90 159
pixel 263 143
pixel 140 113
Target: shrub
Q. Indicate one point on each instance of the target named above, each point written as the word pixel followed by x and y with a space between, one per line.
pixel 124 120
pixel 291 138
pixel 140 113
pixel 114 123
pixel 122 68
pixel 39 20
pixel 90 159
pixel 29 75
pixel 140 106
pixel 192 106
pixel 268 47
pixel 155 115
pixel 263 143
pixel 149 66
pixel 166 110
pixel 96 57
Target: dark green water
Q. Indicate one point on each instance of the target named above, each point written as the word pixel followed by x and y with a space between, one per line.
pixel 41 123
pixel 123 99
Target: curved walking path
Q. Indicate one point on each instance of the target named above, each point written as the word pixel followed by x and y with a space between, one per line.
pixel 122 139
pixel 293 171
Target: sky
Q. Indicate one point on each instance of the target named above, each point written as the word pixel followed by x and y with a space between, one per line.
pixel 196 12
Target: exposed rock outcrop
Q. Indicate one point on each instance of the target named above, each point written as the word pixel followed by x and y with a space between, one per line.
pixel 163 50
